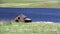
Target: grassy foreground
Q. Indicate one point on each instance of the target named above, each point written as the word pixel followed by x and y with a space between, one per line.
pixel 29 28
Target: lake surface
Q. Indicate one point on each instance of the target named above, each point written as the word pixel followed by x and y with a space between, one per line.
pixel 36 14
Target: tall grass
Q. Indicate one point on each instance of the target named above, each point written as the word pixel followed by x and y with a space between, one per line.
pixel 30 28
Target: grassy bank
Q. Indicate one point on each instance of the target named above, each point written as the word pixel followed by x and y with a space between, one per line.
pixel 31 3
pixel 30 28
pixel 24 1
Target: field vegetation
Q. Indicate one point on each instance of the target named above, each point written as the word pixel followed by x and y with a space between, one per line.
pixel 29 28
pixel 30 3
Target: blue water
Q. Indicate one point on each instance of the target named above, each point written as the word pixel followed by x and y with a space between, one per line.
pixel 36 14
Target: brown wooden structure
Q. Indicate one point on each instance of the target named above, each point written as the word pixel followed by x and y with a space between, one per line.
pixel 22 18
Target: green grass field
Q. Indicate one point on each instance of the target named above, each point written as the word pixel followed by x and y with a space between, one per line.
pixel 25 1
pixel 31 3
pixel 29 28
